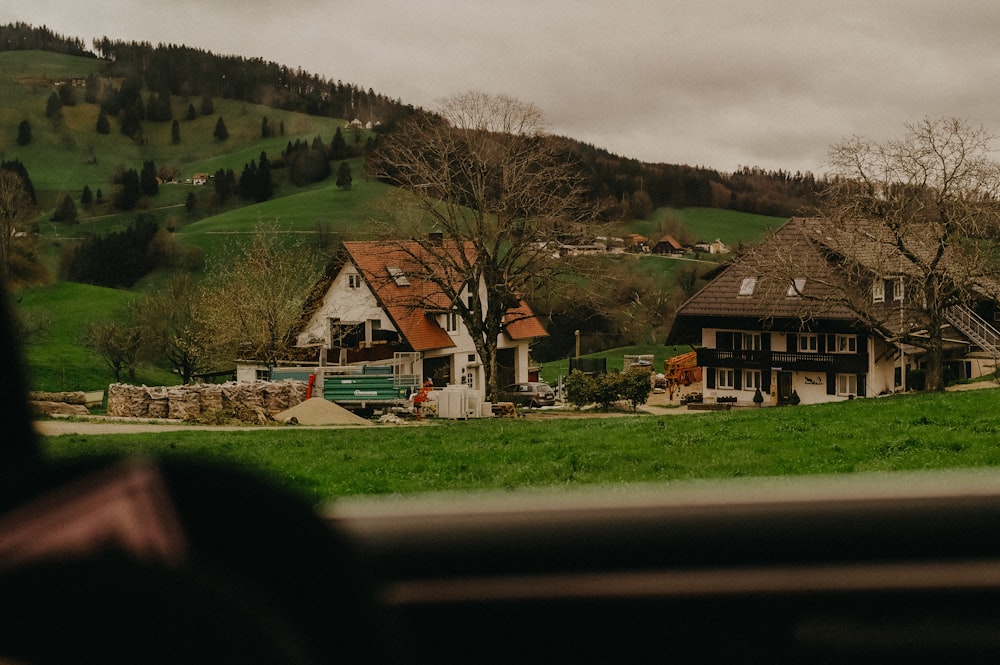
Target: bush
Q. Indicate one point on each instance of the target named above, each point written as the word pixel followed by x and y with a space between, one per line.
pixel 580 389
pixel 635 387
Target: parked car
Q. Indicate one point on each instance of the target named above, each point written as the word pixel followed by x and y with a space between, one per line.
pixel 532 394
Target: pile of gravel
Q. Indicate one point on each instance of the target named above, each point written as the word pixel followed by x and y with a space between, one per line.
pixel 319 411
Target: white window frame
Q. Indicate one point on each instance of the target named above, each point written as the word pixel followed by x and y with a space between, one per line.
pixel 725 378
pixel 750 341
pixel 845 344
pixel 845 383
pixel 804 347
pixel 452 321
pixel 898 289
pixel 796 288
pixel 747 286
pixel 354 281
pixel 751 379
pixel 878 290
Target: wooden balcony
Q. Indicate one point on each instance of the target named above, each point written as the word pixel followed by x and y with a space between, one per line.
pixel 841 363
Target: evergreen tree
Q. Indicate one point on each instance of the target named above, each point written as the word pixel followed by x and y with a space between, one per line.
pixel 190 202
pixel 220 133
pixel 99 198
pixel 103 125
pixel 265 182
pixel 344 176
pixel 53 106
pixel 265 130
pixel 207 107
pixel 66 95
pixel 65 211
pixel 148 180
pixel 191 113
pixel 87 197
pixel 24 133
pixel 175 132
pixel 131 125
pixel 93 90
pixel 248 182
pixel 338 147
pixel 130 192
pixel 223 185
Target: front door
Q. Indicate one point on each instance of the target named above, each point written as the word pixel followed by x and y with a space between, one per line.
pixel 784 387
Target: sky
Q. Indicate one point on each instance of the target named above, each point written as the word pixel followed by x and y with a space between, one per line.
pixel 716 83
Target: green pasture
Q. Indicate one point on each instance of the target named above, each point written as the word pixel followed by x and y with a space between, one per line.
pixel 57 357
pixel 730 226
pixel 912 432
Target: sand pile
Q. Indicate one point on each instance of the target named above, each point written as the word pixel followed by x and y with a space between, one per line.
pixel 319 411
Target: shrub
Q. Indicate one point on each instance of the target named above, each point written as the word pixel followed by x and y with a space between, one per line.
pixel 635 387
pixel 580 388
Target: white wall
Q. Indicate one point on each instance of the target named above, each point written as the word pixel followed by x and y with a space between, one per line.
pixel 344 303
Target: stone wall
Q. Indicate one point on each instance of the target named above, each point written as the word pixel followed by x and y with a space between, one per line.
pixel 193 401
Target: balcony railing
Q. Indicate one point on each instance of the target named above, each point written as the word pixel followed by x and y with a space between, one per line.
pixel 843 363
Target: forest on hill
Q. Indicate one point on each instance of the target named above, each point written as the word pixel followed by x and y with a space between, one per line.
pixel 628 187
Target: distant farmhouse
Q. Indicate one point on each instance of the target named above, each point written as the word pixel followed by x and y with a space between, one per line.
pixel 785 341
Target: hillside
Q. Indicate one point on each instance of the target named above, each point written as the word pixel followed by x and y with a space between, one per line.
pixel 67 154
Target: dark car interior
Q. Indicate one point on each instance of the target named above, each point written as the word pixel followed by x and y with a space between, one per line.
pixel 153 561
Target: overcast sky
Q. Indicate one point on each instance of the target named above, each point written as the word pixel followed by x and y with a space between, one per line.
pixel 716 83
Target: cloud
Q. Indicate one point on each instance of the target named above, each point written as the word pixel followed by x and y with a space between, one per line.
pixel 720 83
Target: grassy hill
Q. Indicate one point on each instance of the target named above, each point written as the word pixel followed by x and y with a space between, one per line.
pixel 67 155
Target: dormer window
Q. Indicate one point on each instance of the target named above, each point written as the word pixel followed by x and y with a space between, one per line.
pixel 747 286
pixel 796 288
pixel 398 275
pixel 878 290
pixel 451 321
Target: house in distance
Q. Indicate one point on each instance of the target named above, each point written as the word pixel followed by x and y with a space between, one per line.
pixel 810 317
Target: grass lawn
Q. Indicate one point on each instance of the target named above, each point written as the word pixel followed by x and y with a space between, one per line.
pixel 953 430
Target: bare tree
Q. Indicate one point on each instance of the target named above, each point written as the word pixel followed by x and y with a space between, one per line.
pixel 484 175
pixel 172 328
pixel 255 305
pixel 15 207
pixel 119 341
pixel 916 215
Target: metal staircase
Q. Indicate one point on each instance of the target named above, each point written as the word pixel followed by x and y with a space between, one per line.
pixel 975 328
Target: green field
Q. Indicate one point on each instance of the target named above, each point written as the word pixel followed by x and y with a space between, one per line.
pixel 913 432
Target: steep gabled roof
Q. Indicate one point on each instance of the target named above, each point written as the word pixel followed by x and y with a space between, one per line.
pixel 397 274
pixel 740 290
pixel 398 284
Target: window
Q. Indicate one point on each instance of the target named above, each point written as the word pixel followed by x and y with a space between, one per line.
pixel 751 379
pixel 751 342
pixel 878 290
pixel 847 384
pixel 262 374
pixel 398 276
pixel 845 344
pixel 354 281
pixel 897 289
pixel 891 287
pixel 726 378
pixel 796 288
pixel 451 320
pixel 747 286
pixel 808 343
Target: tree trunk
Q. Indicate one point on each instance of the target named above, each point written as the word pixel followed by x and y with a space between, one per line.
pixel 935 361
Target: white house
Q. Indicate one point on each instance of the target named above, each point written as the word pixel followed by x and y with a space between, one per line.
pixel 377 306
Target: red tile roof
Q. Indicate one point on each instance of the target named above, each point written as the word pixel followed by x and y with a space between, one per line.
pixel 412 300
